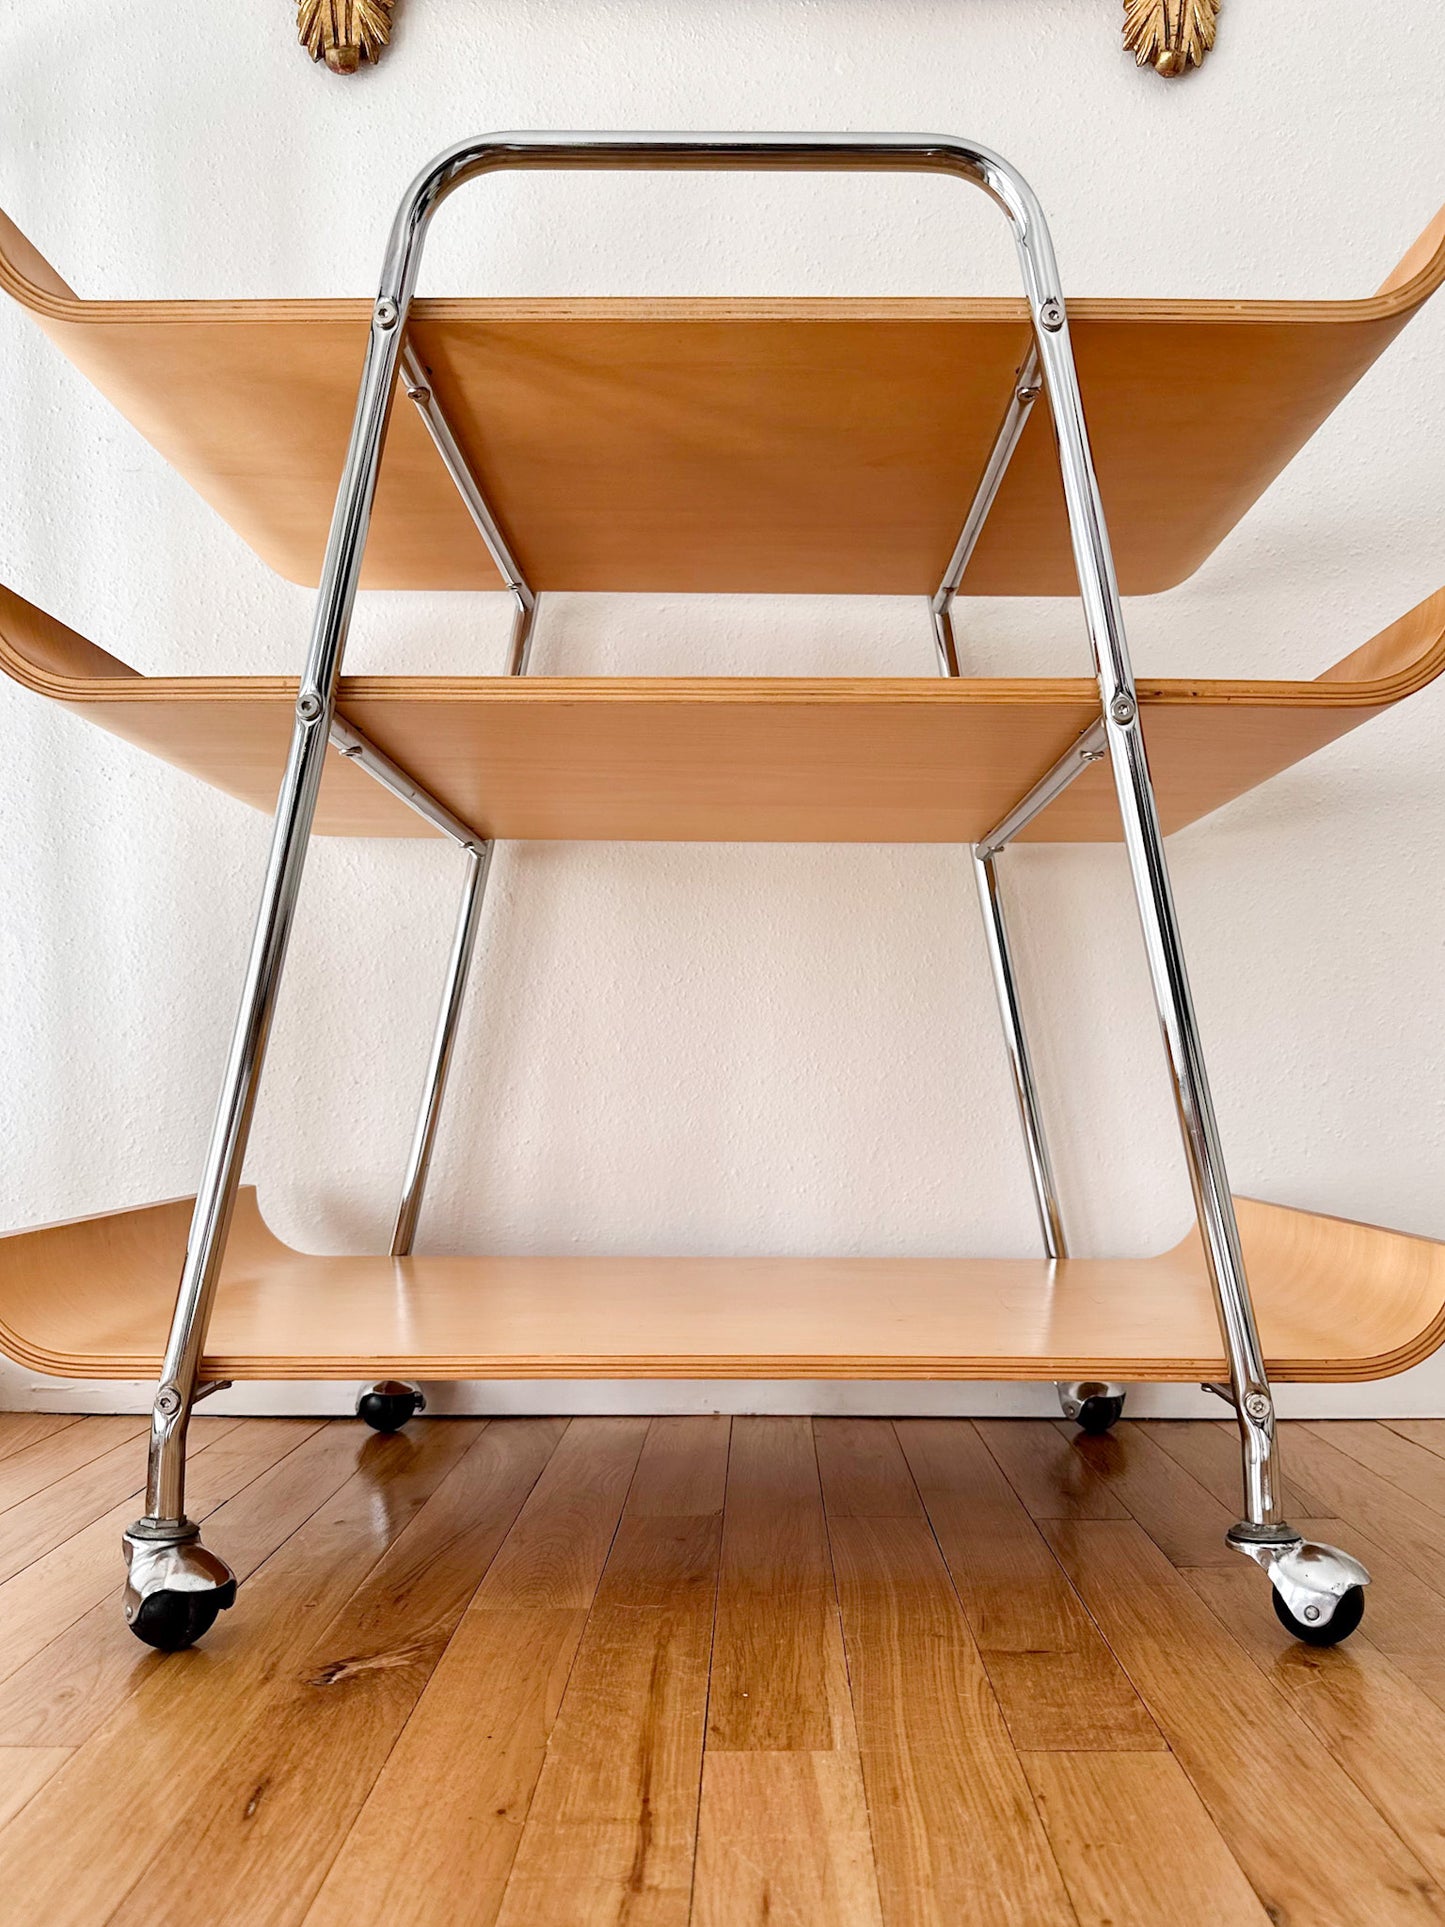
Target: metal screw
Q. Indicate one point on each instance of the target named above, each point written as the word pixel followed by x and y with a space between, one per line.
pixel 421 396
pixel 1030 393
pixel 1091 756
pixel 1122 709
pixel 386 313
pixel 308 706
pixel 168 1402
pixel 1312 1613
pixel 1051 314
pixel 1256 1405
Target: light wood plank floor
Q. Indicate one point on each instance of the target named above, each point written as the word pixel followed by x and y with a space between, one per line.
pixel 551 1673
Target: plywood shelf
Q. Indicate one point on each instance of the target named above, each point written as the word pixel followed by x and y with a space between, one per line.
pixel 763 446
pixel 1335 1301
pixel 728 759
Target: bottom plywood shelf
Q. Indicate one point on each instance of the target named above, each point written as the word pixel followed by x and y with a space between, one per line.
pixel 1336 1301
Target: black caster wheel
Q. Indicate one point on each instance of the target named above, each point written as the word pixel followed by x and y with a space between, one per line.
pixel 171 1621
pixel 1099 1415
pixel 389 1406
pixel 1340 1624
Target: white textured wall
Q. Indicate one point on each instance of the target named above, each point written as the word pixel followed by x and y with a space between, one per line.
pixel 720 1049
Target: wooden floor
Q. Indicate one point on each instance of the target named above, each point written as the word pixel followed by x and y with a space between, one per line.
pixel 537 1672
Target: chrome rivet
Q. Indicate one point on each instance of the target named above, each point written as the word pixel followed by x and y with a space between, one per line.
pixel 421 396
pixel 1091 756
pixel 1256 1405
pixel 1029 394
pixel 1051 314
pixel 1312 1613
pixel 308 706
pixel 386 313
pixel 1122 709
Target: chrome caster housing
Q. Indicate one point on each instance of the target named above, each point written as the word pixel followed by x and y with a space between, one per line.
pixel 174 1588
pixel 1094 1405
pixel 387 1406
pixel 1318 1591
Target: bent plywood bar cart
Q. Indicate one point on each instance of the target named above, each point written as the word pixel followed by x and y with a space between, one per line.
pixel 694 445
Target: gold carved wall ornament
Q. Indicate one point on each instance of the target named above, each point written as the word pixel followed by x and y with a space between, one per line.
pixel 343 33
pixel 1169 35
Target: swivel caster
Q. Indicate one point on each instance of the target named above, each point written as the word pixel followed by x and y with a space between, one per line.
pixel 1349 1611
pixel 1318 1591
pixel 1094 1406
pixel 386 1407
pixel 174 1588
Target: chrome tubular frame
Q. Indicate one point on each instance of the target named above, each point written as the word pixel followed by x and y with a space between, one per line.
pixel 296 804
pixel 1046 1195
pixel 419 391
pixel 1020 407
pixel 464 942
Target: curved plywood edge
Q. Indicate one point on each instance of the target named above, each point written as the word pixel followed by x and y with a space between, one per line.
pixel 29 279
pixel 1336 1302
pixel 744 474
pixel 232 732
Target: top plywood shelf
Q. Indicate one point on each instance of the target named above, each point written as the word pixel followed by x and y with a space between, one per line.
pixel 729 446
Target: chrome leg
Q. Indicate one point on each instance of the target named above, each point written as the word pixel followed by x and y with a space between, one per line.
pixel 165 1584
pixel 1046 1197
pixel 479 862
pixel 1263 1527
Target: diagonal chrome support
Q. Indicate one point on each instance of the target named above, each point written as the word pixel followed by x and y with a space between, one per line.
pixel 360 750
pixel 464 942
pixel 478 850
pixel 1046 1195
pixel 1025 394
pixel 1090 748
pixel 419 390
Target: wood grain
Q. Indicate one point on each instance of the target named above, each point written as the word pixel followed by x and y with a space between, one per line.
pixel 28 1473
pixel 1181 1516
pixel 1050 1477
pixel 1400 1460
pixel 1386 1733
pixel 565 1531
pixel 358 1741
pixel 784 1837
pixel 611 1832
pixel 1360 1497
pixel 23 1771
pixel 1058 1684
pixel 21 1429
pixel 94 1298
pixel 778 1678
pixel 64 1670
pixel 1239 1741
pixel 788 446
pixel 1209 1451
pixel 163 1735
pixel 419 1852
pixel 955 1832
pixel 1135 1843
pixel 291 1778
